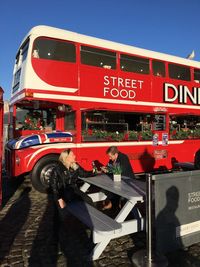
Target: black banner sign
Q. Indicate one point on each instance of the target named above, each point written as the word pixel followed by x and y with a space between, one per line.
pixel 177 210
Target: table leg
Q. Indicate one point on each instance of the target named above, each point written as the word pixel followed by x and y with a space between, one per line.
pixel 124 212
pixel 99 196
pixel 85 187
pixel 99 248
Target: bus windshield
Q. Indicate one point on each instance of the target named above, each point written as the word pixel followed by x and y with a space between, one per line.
pixel 31 119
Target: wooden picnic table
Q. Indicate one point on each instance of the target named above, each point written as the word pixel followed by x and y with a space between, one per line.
pixel 130 190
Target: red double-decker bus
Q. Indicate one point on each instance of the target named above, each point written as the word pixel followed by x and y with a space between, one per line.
pixel 74 91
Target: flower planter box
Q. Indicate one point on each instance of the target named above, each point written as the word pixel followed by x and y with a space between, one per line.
pixel 92 139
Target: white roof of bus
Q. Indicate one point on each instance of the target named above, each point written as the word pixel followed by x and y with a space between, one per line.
pixel 47 31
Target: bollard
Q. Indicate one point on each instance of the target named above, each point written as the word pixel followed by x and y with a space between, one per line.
pixel 146 258
pixel 149 216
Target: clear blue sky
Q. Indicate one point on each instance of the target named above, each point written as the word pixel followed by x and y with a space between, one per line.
pixel 170 26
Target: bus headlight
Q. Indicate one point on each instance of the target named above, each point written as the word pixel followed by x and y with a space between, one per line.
pixel 17 160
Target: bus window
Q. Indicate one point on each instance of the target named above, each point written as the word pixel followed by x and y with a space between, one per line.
pixel 134 64
pixel 158 68
pixel 116 126
pixel 98 57
pixel 24 50
pixel 54 50
pixel 70 120
pixel 17 58
pixel 16 80
pixel 197 75
pixel 179 72
pixel 35 119
pixel 184 127
pixel 20 118
pixel 49 118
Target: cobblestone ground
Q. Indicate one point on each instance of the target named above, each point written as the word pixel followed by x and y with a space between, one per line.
pixel 31 235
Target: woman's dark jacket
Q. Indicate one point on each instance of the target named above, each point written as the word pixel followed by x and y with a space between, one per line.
pixel 65 183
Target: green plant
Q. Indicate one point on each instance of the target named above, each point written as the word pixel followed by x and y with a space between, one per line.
pixel 133 135
pixel 182 134
pixel 114 168
pixel 196 133
pixel 100 133
pixel 147 135
pixel 116 136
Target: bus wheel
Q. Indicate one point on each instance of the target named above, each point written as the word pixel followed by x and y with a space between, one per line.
pixel 197 160
pixel 42 171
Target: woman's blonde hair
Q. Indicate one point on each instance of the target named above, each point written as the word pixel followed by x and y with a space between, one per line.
pixel 64 154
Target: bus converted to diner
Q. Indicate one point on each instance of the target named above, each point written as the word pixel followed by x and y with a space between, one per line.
pixel 75 91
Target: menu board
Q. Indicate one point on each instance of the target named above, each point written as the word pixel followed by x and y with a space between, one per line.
pixel 159 122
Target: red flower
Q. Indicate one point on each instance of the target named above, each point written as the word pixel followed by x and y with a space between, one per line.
pixel 139 137
pixel 126 136
pixel 174 132
pixel 90 131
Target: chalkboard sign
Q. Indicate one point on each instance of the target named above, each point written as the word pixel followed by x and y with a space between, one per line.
pixel 159 122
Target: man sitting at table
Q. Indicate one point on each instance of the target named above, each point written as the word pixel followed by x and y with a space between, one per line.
pixel 117 158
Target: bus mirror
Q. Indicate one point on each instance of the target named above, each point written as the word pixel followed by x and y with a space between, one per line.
pixel 61 108
pixel 64 108
pixel 68 108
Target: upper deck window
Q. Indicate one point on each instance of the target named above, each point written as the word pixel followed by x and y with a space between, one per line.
pixel 17 58
pixel 54 50
pixel 98 57
pixel 197 75
pixel 179 72
pixel 158 68
pixel 24 50
pixel 134 64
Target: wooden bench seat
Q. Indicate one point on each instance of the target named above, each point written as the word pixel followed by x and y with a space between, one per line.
pixel 103 227
pixel 93 218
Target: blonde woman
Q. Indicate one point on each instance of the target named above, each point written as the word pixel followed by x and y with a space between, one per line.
pixel 64 180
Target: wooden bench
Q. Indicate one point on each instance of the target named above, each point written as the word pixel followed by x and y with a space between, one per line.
pixel 93 218
pixel 97 221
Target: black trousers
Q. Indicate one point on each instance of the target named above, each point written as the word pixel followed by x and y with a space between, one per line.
pixel 73 193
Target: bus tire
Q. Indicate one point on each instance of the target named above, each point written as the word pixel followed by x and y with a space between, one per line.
pixel 197 160
pixel 42 171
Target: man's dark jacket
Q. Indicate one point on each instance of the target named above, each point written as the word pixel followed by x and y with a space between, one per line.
pixel 125 165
